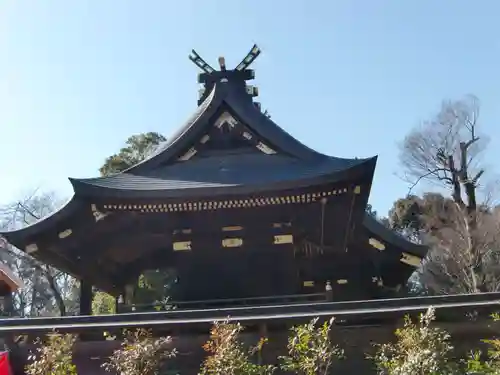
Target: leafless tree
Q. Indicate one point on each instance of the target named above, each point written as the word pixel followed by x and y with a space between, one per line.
pixel 453 265
pixel 45 287
pixel 446 151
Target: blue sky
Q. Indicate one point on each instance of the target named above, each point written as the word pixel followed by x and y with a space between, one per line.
pixel 348 78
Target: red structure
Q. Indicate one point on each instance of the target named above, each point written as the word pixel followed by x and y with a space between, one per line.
pixel 5 368
pixel 9 283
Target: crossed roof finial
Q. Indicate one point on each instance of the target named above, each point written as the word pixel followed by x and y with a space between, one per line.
pixel 244 64
pixel 249 58
pixel 200 63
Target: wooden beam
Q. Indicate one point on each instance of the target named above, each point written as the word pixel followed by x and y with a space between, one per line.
pixel 86 297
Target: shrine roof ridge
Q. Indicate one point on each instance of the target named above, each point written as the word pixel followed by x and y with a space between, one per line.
pixel 234 100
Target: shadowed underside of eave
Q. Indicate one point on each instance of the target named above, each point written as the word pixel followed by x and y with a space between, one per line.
pixel 75 208
pixel 397 271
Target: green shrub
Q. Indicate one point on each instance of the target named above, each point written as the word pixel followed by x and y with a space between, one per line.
pixel 310 349
pixel 53 357
pixel 419 349
pixel 489 364
pixel 140 354
pixel 103 304
pixel 227 356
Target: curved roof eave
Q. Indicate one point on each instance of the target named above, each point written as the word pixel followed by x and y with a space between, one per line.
pixel 18 236
pixel 173 144
pixel 88 187
pixel 390 236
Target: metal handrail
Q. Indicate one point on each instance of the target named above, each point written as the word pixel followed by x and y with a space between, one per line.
pixel 285 313
pixel 231 301
pixel 364 308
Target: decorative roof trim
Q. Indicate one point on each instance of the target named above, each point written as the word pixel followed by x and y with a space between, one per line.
pixel 309 197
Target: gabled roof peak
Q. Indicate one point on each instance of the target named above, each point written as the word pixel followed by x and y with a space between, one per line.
pixel 237 77
pixel 224 103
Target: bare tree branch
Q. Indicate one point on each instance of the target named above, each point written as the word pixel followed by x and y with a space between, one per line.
pixel 445 150
pixel 43 288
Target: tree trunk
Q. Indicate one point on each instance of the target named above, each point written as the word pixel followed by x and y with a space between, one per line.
pixel 57 294
pixel 36 280
pixel 470 212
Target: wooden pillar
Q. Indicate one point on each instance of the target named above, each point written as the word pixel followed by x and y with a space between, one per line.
pixel 6 300
pixel 128 297
pixel 129 294
pixel 124 302
pixel 8 304
pixel 86 296
pixel 118 304
pixel 329 291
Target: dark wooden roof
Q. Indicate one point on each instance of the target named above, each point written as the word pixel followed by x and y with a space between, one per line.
pixel 163 175
pixel 226 174
pixel 395 257
pixel 377 229
pixel 17 237
pixel 227 95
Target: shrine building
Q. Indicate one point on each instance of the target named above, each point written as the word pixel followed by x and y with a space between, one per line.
pixel 234 206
